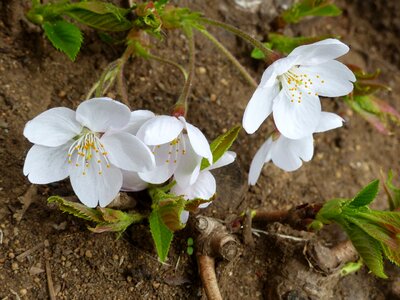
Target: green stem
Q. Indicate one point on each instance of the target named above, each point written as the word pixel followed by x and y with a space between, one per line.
pixel 256 43
pixel 169 62
pixel 182 101
pixel 229 55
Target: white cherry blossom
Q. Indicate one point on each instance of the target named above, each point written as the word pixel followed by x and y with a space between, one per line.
pixel 178 148
pixel 88 146
pixel 291 86
pixel 205 186
pixel 289 154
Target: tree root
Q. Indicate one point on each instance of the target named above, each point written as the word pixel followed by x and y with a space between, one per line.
pixel 213 241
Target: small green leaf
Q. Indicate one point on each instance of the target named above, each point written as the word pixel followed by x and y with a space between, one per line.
pixel 258 54
pixel 170 211
pixel 351 267
pixel 305 8
pixel 366 195
pixel 64 36
pixel 369 249
pixel 392 192
pixel 189 250
pixel 162 236
pixel 99 15
pixel 221 144
pixel 190 241
pixel 77 209
pixel 331 210
pixel 392 255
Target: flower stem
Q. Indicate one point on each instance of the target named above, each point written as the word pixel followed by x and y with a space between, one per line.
pixel 229 55
pixel 181 106
pixel 169 62
pixel 269 54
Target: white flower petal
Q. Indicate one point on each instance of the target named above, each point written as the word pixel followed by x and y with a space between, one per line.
pixel 53 127
pixel 160 130
pixel 262 156
pixel 131 182
pixel 46 164
pixel 296 120
pixel 94 188
pixel 198 141
pixel 138 118
pixel 259 107
pixel 319 52
pixel 184 216
pixel 103 114
pixel 158 175
pixel 281 66
pixel 330 79
pixel 203 188
pixel 127 152
pixel 283 156
pixel 329 121
pixel 188 168
pixel 227 158
pixel 304 147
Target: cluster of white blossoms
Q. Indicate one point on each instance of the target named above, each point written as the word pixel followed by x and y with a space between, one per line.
pixel 104 148
pixel 290 90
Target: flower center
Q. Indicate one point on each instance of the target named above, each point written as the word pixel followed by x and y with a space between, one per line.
pixel 88 149
pixel 296 83
pixel 174 150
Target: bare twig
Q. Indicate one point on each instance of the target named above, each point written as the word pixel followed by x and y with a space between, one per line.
pixel 283 236
pixel 209 279
pixel 1 236
pixel 50 285
pixel 29 251
pixel 247 234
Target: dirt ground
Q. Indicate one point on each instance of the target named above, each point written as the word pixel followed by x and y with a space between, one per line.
pixel 40 241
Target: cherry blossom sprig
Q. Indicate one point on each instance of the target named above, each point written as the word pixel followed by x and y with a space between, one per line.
pixel 289 90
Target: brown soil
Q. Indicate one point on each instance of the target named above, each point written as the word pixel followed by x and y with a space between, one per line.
pixel 83 265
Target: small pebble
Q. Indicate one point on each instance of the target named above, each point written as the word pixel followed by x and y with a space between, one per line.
pixel 224 81
pixel 156 284
pixel 115 257
pixel 11 255
pixel 23 292
pixel 88 254
pixel 202 70
pixel 213 97
pixel 14 266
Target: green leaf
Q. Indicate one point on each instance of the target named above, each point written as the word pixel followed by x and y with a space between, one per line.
pixel 221 144
pixel 331 210
pixel 190 241
pixel 366 195
pixel 369 249
pixel 64 36
pixel 392 192
pixel 392 255
pixel 351 267
pixel 99 15
pixel 305 8
pixel 258 54
pixel 170 211
pixel 162 236
pixel 189 250
pixel 77 209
